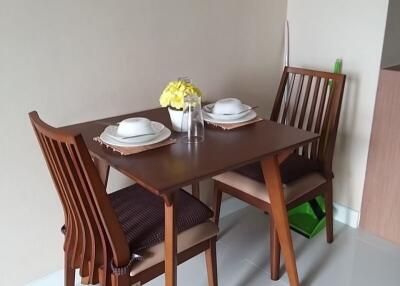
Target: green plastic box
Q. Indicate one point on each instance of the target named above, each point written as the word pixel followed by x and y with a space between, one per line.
pixel 308 219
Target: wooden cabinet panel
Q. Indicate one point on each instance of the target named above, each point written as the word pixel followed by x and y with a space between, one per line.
pixel 380 213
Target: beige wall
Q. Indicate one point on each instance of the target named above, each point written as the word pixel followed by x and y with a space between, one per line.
pixel 391 46
pixel 322 31
pixel 82 60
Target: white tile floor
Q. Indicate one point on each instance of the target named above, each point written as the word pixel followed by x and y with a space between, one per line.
pixel 355 258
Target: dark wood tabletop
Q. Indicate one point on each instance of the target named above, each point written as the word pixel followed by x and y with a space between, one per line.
pixel 170 167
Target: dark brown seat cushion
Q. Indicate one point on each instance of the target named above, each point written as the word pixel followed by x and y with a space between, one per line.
pixel 141 215
pixel 293 168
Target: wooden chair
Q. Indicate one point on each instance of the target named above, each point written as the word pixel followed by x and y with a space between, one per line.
pixel 98 236
pixel 309 100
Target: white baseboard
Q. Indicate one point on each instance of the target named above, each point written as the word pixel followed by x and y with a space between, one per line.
pixel 341 213
pixel 346 215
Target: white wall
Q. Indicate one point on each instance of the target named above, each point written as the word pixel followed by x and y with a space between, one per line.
pixel 391 46
pixel 322 31
pixel 80 60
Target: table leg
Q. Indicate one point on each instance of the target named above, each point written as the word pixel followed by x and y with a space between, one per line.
pixel 196 190
pixel 170 241
pixel 270 167
pixel 103 168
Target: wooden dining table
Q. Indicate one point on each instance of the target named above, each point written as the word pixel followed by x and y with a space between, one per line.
pixel 164 170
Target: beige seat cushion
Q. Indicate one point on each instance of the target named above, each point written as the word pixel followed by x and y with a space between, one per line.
pixel 256 189
pixel 186 239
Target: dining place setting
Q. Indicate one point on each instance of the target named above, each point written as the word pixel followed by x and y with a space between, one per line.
pixel 230 113
pixel 134 135
pixel 188 117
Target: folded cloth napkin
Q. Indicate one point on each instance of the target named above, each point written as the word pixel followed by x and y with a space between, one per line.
pixel 137 149
pixel 230 126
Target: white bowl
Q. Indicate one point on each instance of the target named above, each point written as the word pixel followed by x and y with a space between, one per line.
pixel 228 106
pixel 135 126
pixel 207 109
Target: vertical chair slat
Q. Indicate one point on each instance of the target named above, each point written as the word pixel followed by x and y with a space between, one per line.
pixel 329 132
pixel 325 126
pixel 54 174
pixel 92 233
pixel 321 107
pixel 286 102
pixel 96 258
pixel 313 104
pixel 297 100
pixel 77 247
pixel 311 115
pixel 84 214
pixel 318 122
pixel 305 102
pixel 71 239
pixel 57 181
pixel 303 112
pixel 279 98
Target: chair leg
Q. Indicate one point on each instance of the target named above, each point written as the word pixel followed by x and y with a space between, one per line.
pixel 88 274
pixel 196 190
pixel 217 203
pixel 211 262
pixel 329 213
pixel 275 251
pixel 120 280
pixel 69 272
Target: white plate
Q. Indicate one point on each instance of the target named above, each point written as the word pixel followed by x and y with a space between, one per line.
pixel 112 131
pixel 207 109
pixel 250 116
pixel 164 134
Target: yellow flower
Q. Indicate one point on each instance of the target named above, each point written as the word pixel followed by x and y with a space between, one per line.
pixel 175 92
pixel 165 98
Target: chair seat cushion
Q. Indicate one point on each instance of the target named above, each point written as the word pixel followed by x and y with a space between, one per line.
pixel 257 190
pixel 186 239
pixel 141 215
pixel 293 168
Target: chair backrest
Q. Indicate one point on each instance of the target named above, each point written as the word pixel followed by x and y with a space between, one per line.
pixel 311 100
pixel 93 234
